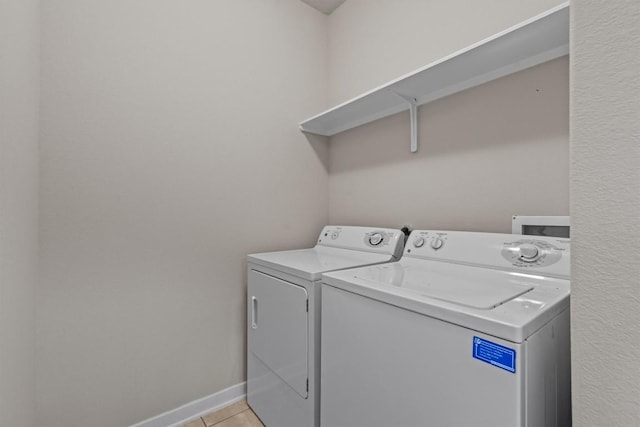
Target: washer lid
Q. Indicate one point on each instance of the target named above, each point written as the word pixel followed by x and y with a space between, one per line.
pixel 485 289
pixel 470 294
pixel 506 304
pixel 309 264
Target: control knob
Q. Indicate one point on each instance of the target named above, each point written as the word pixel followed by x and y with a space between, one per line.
pixel 375 239
pixel 437 243
pixel 418 242
pixel 529 252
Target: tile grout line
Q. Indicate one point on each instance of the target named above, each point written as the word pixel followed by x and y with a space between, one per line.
pixel 222 420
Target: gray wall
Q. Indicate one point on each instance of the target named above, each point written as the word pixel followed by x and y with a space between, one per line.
pixel 373 42
pixel 605 209
pixel 170 150
pixel 169 129
pixel 484 154
pixel 18 208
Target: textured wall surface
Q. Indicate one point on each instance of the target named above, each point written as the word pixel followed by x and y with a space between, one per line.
pixel 170 150
pixel 19 101
pixel 605 210
pixel 485 154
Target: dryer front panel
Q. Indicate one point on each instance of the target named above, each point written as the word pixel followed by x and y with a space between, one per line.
pixel 278 328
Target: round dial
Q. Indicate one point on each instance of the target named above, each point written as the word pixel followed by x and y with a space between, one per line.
pixel 529 252
pixel 418 242
pixel 375 239
pixel 437 243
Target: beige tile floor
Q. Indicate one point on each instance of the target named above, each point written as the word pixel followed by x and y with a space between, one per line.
pixel 237 415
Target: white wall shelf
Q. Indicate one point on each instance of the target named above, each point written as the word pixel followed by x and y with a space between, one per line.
pixel 532 42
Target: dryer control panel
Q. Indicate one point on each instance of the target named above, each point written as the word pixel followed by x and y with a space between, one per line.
pixel 544 255
pixel 383 240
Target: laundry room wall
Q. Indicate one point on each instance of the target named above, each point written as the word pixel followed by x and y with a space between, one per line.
pixel 605 209
pixel 170 150
pixel 485 154
pixel 19 104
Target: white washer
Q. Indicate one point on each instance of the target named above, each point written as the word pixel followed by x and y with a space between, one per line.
pixel 283 319
pixel 467 329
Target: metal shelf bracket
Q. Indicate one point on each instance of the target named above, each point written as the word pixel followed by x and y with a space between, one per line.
pixel 413 114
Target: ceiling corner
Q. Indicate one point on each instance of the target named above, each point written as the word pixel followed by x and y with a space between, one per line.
pixel 325 6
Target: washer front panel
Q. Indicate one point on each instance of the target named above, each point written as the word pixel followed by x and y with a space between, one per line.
pixel 384 366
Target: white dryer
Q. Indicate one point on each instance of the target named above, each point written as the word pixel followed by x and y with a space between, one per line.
pixel 283 319
pixel 466 330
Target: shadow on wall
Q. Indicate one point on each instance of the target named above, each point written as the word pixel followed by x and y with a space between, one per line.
pixel 320 144
pixel 523 107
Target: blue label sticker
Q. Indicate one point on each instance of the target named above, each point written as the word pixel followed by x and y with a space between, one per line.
pixel 494 354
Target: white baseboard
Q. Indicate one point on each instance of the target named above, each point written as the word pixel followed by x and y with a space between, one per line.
pixel 192 410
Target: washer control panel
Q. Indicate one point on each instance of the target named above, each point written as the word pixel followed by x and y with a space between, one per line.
pixel 526 254
pixel 429 240
pixel 531 253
